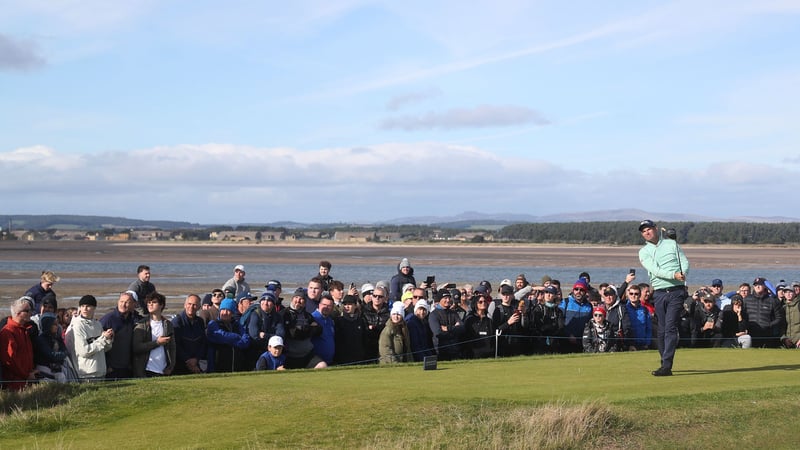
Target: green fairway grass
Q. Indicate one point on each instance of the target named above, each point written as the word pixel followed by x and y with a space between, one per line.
pixel 718 398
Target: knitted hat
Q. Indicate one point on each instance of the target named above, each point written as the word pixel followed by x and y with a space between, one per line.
pixel 404 263
pixel 269 296
pixel 422 304
pixel 398 308
pixel 229 304
pixel 87 300
pixel 599 310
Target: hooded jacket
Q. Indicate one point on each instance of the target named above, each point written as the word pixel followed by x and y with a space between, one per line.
pixel 397 282
pixel 87 346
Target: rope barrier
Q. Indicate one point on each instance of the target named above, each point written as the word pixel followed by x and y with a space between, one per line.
pixel 497 337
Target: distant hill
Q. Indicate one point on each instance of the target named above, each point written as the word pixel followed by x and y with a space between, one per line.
pixel 73 222
pixel 475 219
pixel 469 220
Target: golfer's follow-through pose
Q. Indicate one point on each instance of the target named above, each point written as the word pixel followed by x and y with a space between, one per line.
pixel 667 267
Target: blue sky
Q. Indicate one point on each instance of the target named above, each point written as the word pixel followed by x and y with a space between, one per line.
pixel 350 110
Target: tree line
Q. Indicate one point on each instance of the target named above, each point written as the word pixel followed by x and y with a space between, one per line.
pixel 625 233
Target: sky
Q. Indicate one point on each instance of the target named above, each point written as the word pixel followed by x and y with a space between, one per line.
pixel 370 110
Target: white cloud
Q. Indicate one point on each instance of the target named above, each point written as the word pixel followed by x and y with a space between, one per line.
pixel 206 183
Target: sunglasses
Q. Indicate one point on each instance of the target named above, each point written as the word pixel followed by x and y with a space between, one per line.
pixel 579 290
pixel 634 294
pixel 418 297
pixel 378 296
pixel 599 315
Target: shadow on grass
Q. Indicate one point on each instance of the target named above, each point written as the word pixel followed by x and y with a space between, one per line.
pixel 735 370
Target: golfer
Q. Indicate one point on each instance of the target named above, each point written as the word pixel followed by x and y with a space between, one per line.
pixel 667 268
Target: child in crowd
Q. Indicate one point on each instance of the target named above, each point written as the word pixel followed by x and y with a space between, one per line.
pixel 273 358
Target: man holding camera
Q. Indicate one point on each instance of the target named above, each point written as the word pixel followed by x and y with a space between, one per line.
pixel 667 267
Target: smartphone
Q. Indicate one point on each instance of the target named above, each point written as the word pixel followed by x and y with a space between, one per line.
pixel 632 271
pixel 430 280
pixel 352 285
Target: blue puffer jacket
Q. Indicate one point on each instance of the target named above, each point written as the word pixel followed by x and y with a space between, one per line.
pixel 576 315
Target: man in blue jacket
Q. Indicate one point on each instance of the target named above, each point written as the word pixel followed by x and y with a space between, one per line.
pixel 640 320
pixel 577 313
pixel 190 338
pixel 226 341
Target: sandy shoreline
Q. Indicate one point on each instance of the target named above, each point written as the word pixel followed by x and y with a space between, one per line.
pixel 460 254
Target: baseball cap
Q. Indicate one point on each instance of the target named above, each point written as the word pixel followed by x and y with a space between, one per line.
pixel 275 341
pixel 647 223
pixel 759 280
pixel 716 282
pixel 238 267
pixel 367 288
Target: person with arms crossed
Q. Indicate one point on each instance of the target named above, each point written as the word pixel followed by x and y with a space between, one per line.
pixel 667 267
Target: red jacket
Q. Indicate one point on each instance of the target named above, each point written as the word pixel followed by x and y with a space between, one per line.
pixel 16 355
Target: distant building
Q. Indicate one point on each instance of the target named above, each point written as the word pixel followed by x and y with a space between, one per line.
pixel 470 237
pixel 388 237
pixel 354 236
pixel 149 235
pixel 24 235
pixel 234 236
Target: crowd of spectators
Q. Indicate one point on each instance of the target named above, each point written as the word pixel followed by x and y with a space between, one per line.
pixel 326 324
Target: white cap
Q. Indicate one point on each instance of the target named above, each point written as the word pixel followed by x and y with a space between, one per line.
pixel 422 304
pixel 133 294
pixel 506 282
pixel 275 341
pixel 366 288
pixel 239 267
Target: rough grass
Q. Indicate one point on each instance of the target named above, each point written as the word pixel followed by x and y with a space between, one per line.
pixel 551 426
pixel 738 398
